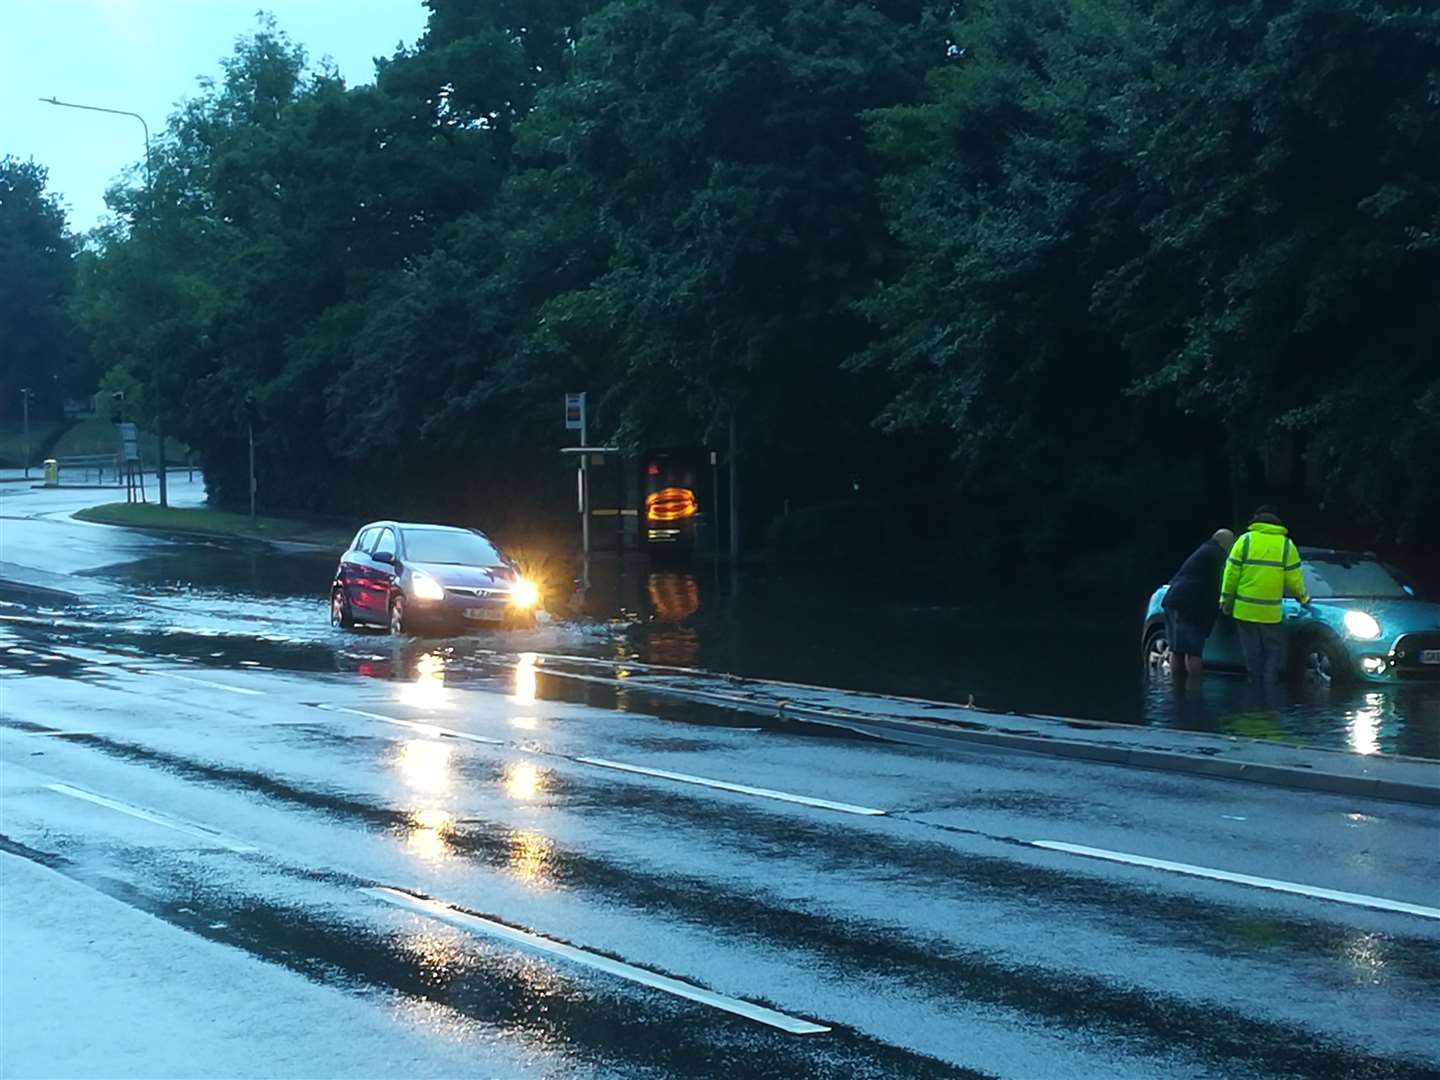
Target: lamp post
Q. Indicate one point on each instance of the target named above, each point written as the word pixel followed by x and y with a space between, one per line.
pixel 25 395
pixel 150 198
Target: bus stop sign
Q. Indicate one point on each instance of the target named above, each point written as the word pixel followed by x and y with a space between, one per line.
pixel 574 412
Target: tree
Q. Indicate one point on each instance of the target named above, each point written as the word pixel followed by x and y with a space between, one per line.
pixel 38 338
pixel 1288 287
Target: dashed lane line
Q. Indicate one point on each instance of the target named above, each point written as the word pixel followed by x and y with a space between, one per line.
pixel 683 778
pixel 447 913
pixel 1355 899
pixel 724 785
pixel 203 832
pixel 419 726
pixel 202 682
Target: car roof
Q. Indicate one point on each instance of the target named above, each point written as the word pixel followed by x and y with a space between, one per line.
pixel 1335 554
pixel 415 525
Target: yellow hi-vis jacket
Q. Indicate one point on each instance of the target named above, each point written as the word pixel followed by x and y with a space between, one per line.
pixel 1263 566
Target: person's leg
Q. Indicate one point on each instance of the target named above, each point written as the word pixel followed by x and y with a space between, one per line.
pixel 1275 638
pixel 1172 635
pixel 1190 637
pixel 1249 635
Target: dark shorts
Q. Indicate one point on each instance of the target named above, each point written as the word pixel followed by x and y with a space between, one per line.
pixel 1187 636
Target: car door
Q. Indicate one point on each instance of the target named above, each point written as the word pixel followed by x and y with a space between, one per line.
pixel 1222 647
pixel 382 574
pixel 354 567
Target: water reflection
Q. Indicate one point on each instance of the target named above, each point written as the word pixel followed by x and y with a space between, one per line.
pixel 438 957
pixel 1365 725
pixel 523 780
pixel 674 598
pixel 525 679
pixel 427 689
pixel 429 832
pixel 531 856
pixel 1368 956
pixel 425 765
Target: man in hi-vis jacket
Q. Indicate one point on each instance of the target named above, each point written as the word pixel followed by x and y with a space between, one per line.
pixel 1263 567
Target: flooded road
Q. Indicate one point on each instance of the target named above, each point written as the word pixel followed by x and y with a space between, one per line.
pixel 930 639
pixel 350 854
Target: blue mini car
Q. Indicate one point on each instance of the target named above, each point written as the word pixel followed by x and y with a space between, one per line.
pixel 1365 622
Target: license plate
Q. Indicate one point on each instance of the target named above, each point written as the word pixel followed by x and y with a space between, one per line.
pixel 1430 656
pixel 478 613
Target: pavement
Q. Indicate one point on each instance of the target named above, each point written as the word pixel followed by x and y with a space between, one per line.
pixel 233 852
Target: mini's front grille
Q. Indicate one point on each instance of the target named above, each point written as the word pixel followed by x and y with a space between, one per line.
pixel 1409 648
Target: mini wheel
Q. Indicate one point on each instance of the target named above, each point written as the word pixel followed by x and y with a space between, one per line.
pixel 1156 651
pixel 1320 662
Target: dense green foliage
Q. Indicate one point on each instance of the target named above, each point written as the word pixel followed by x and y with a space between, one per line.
pixel 39 346
pixel 1046 268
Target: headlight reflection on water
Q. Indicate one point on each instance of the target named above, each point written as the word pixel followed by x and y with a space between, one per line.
pixel 427 690
pixel 523 781
pixel 425 765
pixel 429 833
pixel 1364 725
pixel 530 858
pixel 525 679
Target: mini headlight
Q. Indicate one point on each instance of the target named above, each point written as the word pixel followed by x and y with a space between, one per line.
pixel 426 587
pixel 525 595
pixel 1362 626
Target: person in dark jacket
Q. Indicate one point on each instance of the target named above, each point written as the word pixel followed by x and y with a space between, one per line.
pixel 1190 603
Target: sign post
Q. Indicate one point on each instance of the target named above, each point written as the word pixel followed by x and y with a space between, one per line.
pixel 575 421
pixel 129 456
pixel 25 395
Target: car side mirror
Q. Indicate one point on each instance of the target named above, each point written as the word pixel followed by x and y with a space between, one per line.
pixel 385 557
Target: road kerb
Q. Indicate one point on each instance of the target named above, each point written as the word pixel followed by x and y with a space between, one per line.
pixel 936 733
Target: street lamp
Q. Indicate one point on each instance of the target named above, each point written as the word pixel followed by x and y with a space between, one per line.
pixel 25 395
pixel 150 196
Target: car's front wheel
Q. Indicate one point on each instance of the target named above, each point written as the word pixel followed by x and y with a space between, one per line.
pixel 1321 662
pixel 1156 651
pixel 340 611
pixel 399 623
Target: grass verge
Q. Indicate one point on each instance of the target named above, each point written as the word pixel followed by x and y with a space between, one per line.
pixel 98 436
pixel 216 523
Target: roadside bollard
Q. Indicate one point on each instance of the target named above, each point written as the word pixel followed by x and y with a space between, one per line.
pixel 52 472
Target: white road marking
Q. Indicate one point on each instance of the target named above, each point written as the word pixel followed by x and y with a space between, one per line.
pixel 203 682
pixel 201 831
pixel 463 919
pixel 723 785
pixel 1355 899
pixel 433 730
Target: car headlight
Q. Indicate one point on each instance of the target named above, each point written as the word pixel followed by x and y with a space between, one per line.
pixel 1362 626
pixel 426 587
pixel 525 594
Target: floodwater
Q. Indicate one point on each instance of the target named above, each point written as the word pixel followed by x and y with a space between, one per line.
pixel 862 629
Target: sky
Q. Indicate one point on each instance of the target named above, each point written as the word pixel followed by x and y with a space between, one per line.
pixel 144 56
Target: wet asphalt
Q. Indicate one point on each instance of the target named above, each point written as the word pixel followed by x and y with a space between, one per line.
pixel 226 762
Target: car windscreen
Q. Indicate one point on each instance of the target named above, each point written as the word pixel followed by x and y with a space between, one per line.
pixel 1356 577
pixel 444 546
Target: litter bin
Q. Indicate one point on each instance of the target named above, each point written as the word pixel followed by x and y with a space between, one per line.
pixel 52 472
